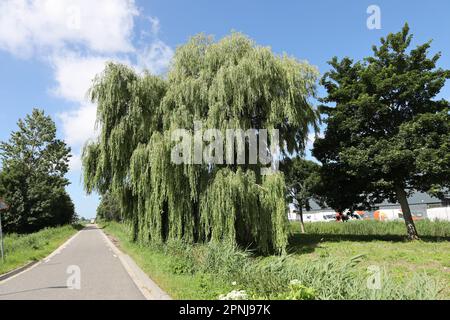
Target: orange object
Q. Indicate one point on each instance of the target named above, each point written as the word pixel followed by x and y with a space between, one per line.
pixel 379 215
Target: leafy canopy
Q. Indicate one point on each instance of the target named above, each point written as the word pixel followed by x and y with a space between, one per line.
pixel 33 184
pixel 387 132
pixel 232 83
pixel 302 181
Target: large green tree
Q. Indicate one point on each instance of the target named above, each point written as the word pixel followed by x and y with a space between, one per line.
pixel 303 182
pixel 34 163
pixel 387 135
pixel 229 84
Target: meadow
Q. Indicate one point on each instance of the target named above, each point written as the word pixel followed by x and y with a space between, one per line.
pixel 332 261
pixel 21 249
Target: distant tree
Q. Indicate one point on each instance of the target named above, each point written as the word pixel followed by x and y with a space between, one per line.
pixel 109 208
pixel 63 209
pixel 34 164
pixel 387 136
pixel 302 181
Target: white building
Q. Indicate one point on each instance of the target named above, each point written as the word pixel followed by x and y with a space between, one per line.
pixel 422 207
pixel 312 216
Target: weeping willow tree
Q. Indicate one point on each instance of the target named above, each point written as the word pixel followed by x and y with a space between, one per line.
pixel 229 84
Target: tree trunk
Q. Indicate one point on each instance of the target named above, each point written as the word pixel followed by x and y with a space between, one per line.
pixel 302 225
pixel 410 226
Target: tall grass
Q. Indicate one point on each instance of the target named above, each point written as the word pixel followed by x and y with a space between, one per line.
pixel 270 277
pixel 425 228
pixel 224 267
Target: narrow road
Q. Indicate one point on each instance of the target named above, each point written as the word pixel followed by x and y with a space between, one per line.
pixel 101 274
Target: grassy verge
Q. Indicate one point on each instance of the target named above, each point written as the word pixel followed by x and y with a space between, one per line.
pixel 21 249
pixel 165 269
pixel 321 265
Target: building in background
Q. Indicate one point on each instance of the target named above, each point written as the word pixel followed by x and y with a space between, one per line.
pixel 422 206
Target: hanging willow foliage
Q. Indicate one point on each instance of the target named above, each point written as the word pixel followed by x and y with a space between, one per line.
pixel 232 83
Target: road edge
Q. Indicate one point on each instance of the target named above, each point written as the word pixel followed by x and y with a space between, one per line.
pixel 16 271
pixel 149 289
pixel 32 264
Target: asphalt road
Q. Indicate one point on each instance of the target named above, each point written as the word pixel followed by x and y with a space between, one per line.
pixel 86 268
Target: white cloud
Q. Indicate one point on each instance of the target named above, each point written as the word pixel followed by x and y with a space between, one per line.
pixel 30 26
pixel 155 25
pixel 74 75
pixel 75 163
pixel 156 57
pixel 79 124
pixel 77 38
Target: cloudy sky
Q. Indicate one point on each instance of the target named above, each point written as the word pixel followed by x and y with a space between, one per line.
pixel 50 50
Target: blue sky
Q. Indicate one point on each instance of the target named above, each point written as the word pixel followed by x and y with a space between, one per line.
pixel 51 49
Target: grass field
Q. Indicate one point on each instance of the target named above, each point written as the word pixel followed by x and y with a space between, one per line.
pixel 330 262
pixel 382 244
pixel 21 249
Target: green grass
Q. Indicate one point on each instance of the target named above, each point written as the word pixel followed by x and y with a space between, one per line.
pixel 384 229
pixel 383 244
pixel 329 263
pixel 166 270
pixel 21 249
